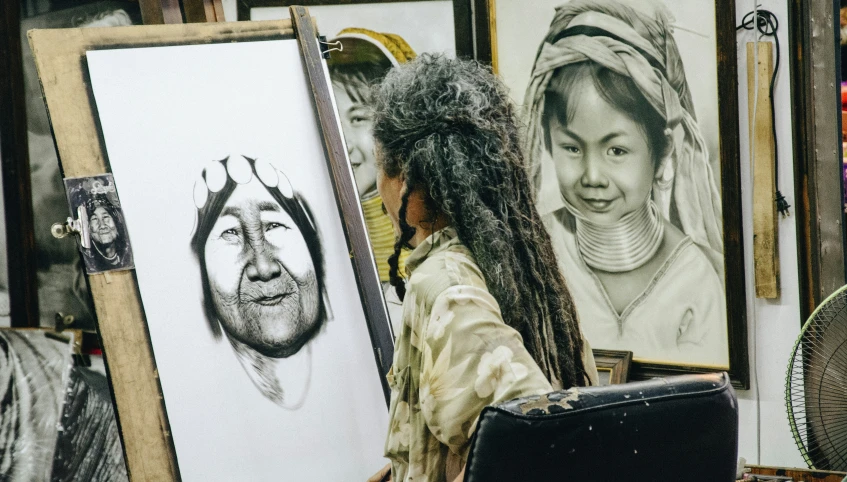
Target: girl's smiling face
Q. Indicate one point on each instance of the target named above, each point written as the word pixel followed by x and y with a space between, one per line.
pixel 357 125
pixel 603 160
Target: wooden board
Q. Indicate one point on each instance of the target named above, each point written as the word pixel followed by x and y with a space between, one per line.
pixel 762 152
pixel 60 59
pixel 155 12
pixel 799 475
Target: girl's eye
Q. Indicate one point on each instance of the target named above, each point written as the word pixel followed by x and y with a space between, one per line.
pixel 229 233
pixel 571 149
pixel 616 151
pixel 275 225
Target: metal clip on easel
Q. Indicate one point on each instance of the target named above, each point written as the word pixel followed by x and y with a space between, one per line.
pixel 71 226
pixel 325 50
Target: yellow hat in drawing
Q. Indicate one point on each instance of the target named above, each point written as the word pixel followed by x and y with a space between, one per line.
pixel 367 46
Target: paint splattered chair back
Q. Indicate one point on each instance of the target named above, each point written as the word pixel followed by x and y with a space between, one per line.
pixel 677 428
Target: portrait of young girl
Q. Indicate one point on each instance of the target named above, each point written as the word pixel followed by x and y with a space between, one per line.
pixel 623 171
pixel 369 55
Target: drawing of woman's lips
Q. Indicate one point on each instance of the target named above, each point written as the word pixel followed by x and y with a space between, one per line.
pixel 268 294
pixel 279 295
pixel 272 299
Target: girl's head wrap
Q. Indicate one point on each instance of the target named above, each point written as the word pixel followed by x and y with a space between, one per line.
pixel 639 46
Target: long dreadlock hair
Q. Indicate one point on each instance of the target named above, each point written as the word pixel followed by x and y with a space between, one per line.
pixel 448 127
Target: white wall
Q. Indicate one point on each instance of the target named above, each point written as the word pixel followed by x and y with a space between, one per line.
pixel 773 326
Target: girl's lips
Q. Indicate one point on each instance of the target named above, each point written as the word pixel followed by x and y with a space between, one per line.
pixel 598 205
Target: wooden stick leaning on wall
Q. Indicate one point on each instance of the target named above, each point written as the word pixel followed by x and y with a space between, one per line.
pixel 60 58
pixel 762 152
pixel 203 11
pixel 157 12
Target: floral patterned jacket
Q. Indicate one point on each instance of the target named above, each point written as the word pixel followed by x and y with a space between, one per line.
pixel 454 355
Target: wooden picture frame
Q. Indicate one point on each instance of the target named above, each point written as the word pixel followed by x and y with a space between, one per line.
pixel 816 119
pixel 463 20
pixel 17 197
pixel 486 28
pixel 131 366
pixel 613 365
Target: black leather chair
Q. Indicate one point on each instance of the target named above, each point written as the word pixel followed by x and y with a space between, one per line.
pixel 681 428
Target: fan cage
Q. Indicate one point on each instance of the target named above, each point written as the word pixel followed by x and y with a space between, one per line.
pixel 816 386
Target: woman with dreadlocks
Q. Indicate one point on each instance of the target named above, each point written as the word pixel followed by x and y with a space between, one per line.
pixel 637 229
pixel 486 313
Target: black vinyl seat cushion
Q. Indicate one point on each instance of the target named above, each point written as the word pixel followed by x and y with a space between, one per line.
pixel 682 428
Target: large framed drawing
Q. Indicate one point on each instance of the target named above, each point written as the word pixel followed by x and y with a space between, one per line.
pixel 632 116
pixel 254 301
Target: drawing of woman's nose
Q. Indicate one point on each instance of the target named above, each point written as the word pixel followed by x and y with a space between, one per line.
pixel 262 264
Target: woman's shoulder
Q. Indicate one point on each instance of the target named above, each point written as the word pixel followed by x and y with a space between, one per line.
pixel 442 270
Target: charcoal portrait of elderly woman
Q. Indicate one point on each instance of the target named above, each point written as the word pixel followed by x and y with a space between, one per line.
pixel 261 269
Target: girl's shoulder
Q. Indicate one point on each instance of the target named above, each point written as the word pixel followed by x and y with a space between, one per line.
pixel 690 266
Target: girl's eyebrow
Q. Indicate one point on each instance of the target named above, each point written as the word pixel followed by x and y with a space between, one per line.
pixel 608 137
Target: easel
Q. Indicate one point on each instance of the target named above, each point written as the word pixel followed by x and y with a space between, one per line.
pixel 138 398
pixel 158 12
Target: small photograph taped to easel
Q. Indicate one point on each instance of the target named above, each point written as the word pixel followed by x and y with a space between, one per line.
pixel 94 203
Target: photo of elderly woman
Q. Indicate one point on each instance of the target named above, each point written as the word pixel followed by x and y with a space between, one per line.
pixel 366 58
pixel 109 248
pixel 626 179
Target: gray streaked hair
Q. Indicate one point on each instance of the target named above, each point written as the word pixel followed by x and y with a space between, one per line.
pixel 448 127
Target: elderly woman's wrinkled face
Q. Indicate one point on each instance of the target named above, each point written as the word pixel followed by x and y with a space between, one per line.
pixel 261 275
pixel 602 157
pixel 102 226
pixel 357 124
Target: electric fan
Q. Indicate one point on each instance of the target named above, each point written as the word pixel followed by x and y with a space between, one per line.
pixel 816 386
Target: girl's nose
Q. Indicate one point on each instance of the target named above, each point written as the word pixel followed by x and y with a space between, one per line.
pixel 592 174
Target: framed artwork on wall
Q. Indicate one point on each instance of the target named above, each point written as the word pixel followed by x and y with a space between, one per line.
pixel 632 142
pixel 252 238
